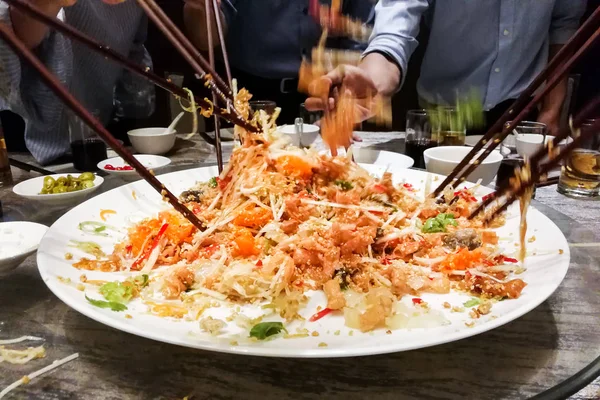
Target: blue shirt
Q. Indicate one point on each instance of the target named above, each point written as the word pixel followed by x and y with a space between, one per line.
pixel 496 46
pixel 268 38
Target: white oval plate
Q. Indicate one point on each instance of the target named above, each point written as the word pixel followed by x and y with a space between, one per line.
pixel 30 189
pixel 545 271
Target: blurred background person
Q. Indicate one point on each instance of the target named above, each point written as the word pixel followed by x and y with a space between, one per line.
pixel 98 83
pixel 266 41
pixel 497 47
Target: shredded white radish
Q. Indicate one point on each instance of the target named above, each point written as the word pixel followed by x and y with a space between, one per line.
pixel 19 340
pixel 37 373
pixel 208 292
pixel 338 205
pixel 13 356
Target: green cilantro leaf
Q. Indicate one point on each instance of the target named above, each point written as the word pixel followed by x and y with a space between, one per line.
pixel 472 303
pixel 116 292
pixel 212 182
pixel 438 223
pixel 263 330
pixel 107 304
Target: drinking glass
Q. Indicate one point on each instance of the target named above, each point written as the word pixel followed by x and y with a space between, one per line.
pixel 267 105
pixel 419 136
pixel 528 137
pixel 448 126
pixel 5 174
pixel 580 173
pixel 86 147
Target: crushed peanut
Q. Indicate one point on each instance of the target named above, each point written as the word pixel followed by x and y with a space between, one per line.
pixel 83 278
pixel 447 305
pixel 80 287
pixel 470 324
pixel 314 333
pixel 68 256
pixel 322 344
pixel 128 316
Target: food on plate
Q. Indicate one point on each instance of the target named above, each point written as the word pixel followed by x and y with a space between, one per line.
pixel 282 221
pixel 68 183
pixel 110 167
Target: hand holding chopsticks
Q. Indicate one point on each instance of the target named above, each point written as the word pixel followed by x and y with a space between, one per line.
pixel 68 99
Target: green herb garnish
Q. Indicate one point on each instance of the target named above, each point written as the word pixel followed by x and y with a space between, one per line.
pixel 472 303
pixel 263 330
pixel 94 227
pixel 345 185
pixel 212 182
pixel 117 292
pixel 438 223
pixel 88 247
pixel 113 305
pixel 141 280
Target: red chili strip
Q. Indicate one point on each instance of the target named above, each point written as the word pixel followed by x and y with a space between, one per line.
pixel 147 252
pixel 317 316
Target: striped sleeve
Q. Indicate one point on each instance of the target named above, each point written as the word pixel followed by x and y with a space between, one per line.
pixel 24 93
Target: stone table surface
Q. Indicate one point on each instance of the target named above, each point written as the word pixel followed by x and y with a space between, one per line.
pixel 541 353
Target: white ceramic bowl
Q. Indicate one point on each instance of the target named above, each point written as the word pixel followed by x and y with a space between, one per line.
pixel 31 188
pixel 152 140
pixel 381 157
pixel 442 160
pixel 149 161
pixel 529 143
pixel 310 133
pixel 18 240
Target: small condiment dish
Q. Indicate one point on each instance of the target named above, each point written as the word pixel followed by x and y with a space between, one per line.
pixel 149 161
pixel 152 140
pixel 18 240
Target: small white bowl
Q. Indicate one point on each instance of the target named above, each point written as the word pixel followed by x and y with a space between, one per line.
pixel 443 159
pixel 18 240
pixel 310 133
pixel 31 188
pixel 529 143
pixel 149 161
pixel 152 140
pixel 381 157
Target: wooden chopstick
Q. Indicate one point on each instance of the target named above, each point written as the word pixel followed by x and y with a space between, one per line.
pixel 211 60
pixel 222 41
pixel 68 99
pixel 93 45
pixel 193 57
pixel 545 168
pixel 187 50
pixel 554 80
pixel 586 29
pixel 542 152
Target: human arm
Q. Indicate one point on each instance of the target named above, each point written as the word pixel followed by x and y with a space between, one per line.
pixel 29 29
pixel 386 58
pixel 194 19
pixel 565 21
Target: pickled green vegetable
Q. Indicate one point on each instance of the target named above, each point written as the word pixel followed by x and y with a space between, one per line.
pixel 69 183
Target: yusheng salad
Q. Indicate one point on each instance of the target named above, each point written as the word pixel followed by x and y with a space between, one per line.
pixel 281 221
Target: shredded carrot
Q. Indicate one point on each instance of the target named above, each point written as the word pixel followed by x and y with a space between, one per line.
pixel 104 213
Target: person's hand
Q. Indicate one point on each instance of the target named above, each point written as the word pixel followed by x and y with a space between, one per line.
pixel 552 121
pixel 324 91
